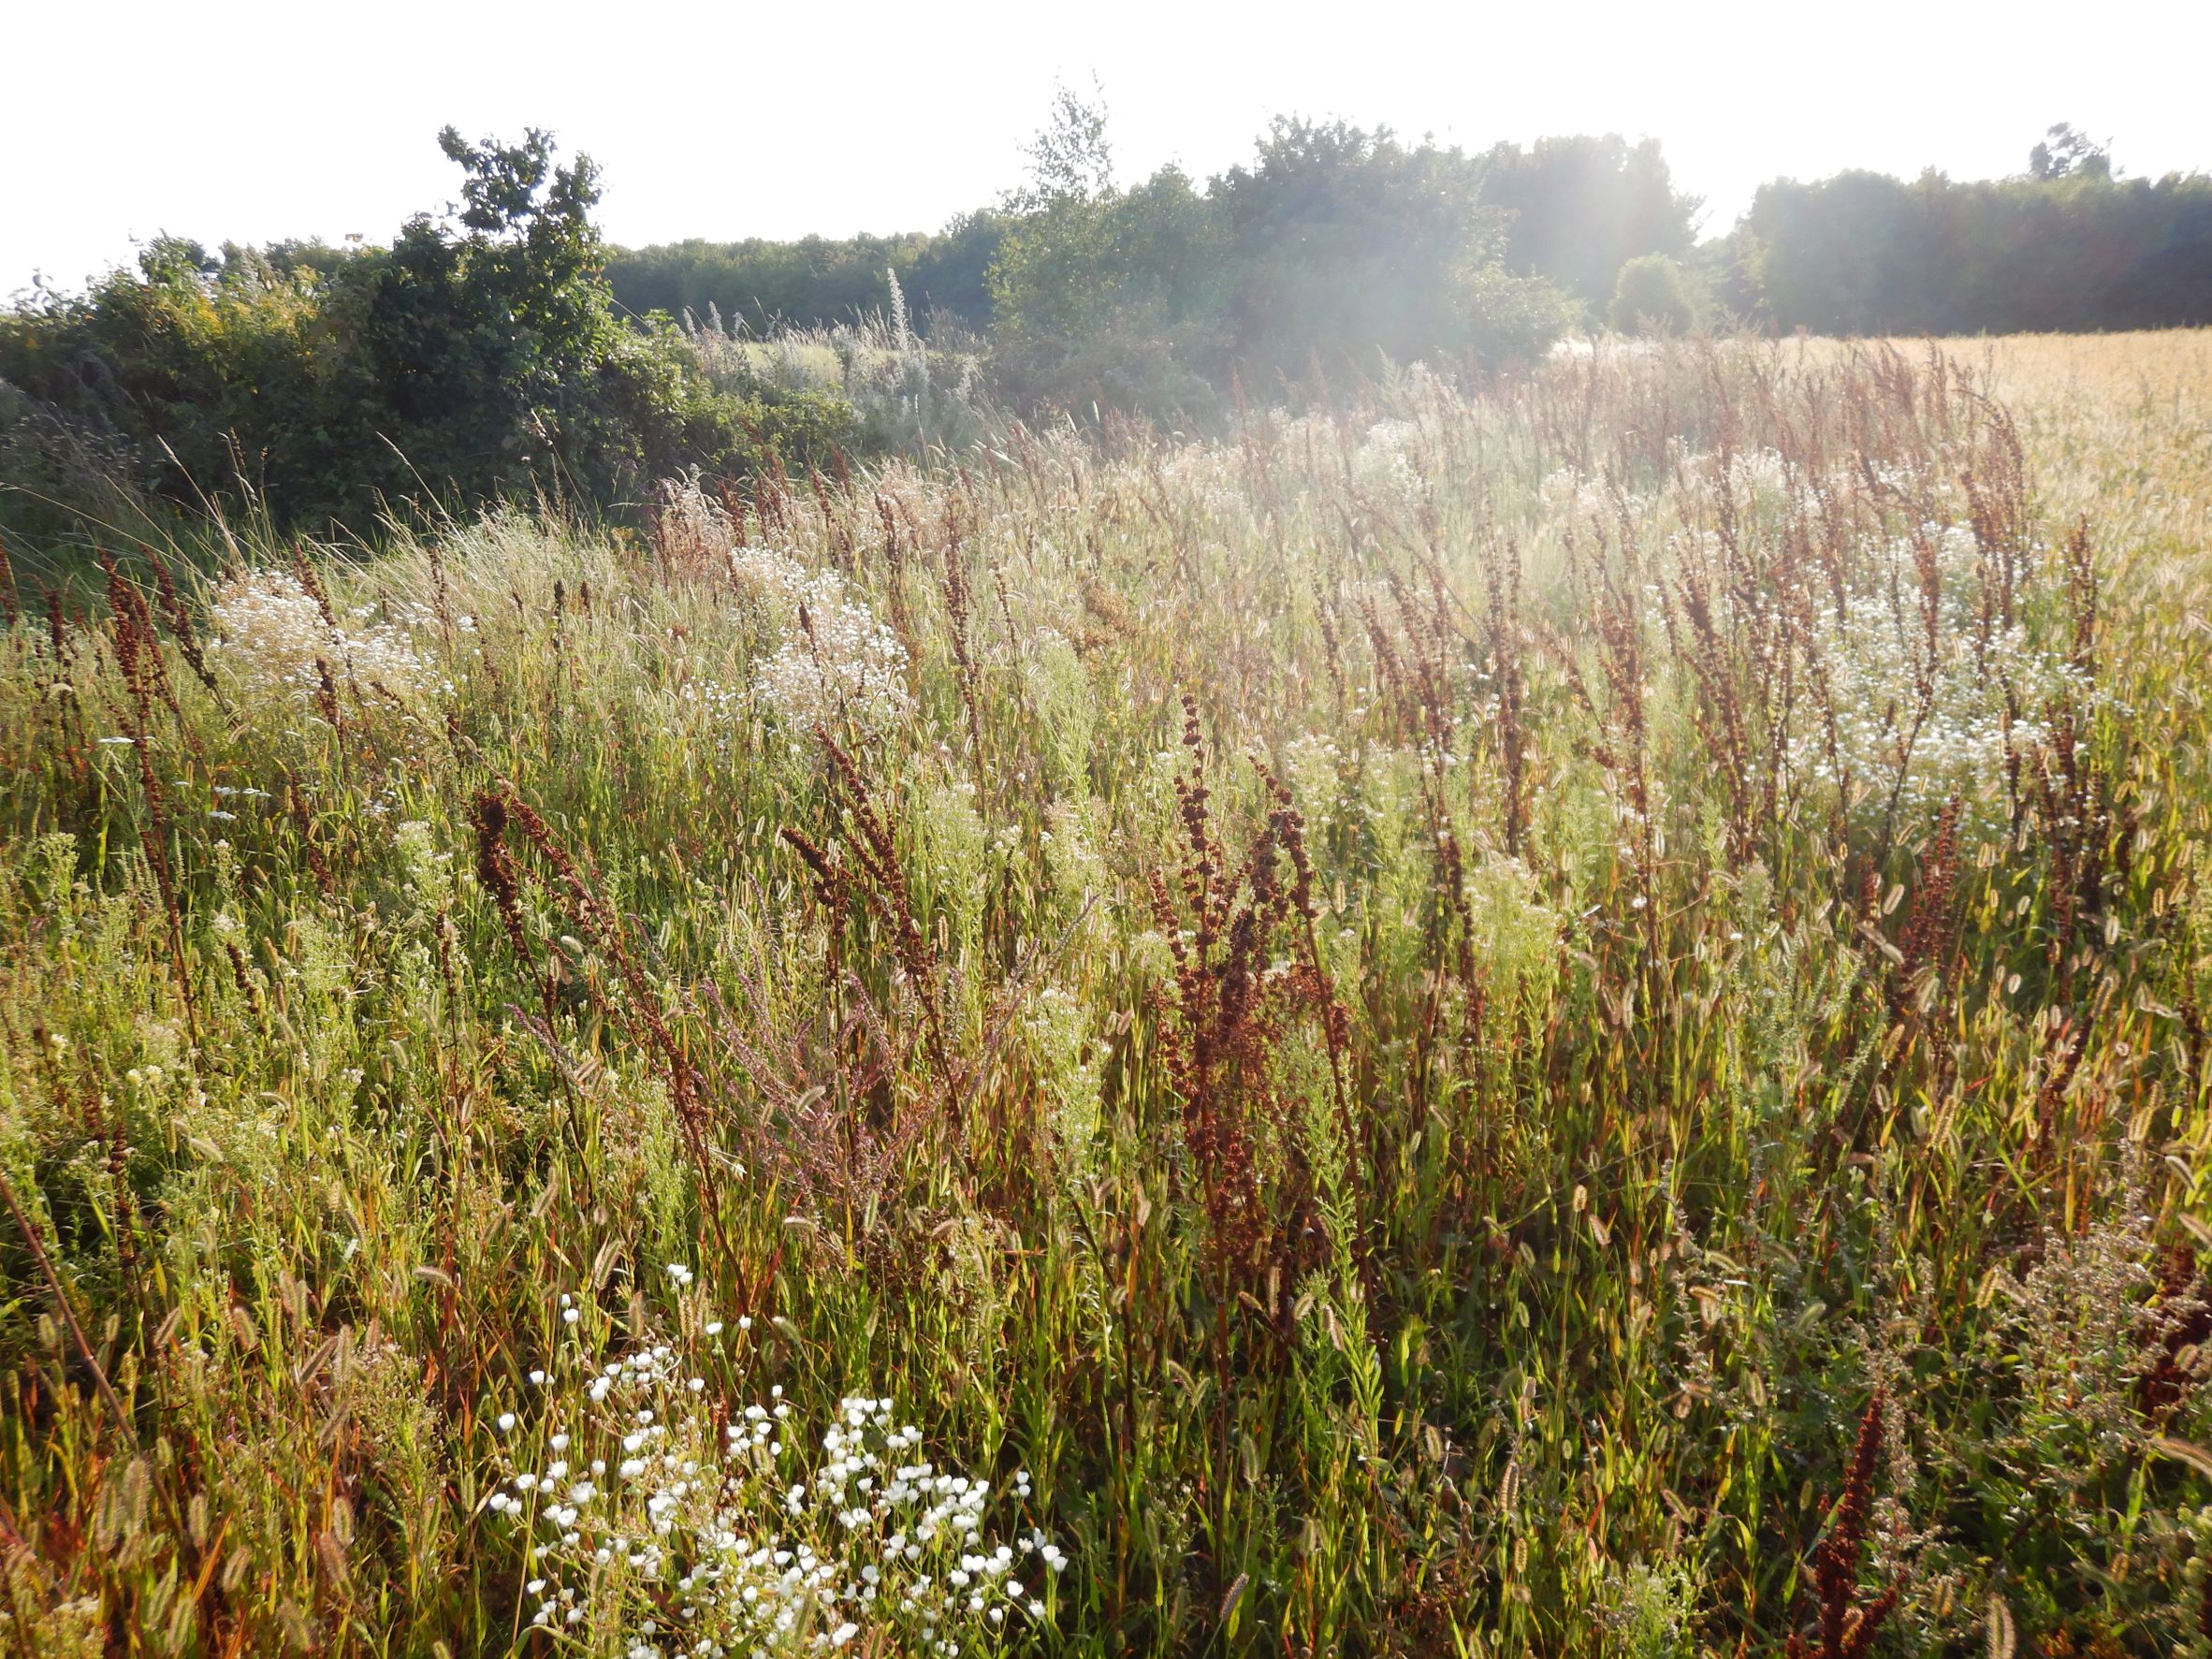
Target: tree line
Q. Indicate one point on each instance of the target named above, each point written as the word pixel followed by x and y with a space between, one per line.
pixel 477 357
pixel 2067 244
pixel 501 349
pixel 1866 253
pixel 1571 209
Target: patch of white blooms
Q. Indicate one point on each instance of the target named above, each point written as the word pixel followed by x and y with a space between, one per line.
pixel 1203 477
pixel 1570 494
pixel 834 660
pixel 1921 721
pixel 1384 463
pixel 272 632
pixel 1754 475
pixel 659 1519
pixel 720 706
pixel 769 580
pixel 1875 654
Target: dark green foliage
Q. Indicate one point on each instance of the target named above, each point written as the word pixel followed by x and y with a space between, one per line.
pixel 816 279
pixel 2065 153
pixel 1104 297
pixel 2070 249
pixel 1580 207
pixel 504 352
pixel 1350 243
pixel 1334 250
pixel 1652 296
pixel 1112 298
pixel 469 361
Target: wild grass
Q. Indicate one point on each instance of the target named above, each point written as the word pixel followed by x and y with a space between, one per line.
pixel 1424 1030
pixel 913 395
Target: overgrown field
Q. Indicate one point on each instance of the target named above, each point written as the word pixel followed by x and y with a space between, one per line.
pixel 1563 1020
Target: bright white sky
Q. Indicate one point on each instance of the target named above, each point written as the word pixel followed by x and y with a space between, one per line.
pixel 251 120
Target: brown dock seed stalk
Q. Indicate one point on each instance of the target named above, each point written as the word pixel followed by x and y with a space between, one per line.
pixel 1846 1632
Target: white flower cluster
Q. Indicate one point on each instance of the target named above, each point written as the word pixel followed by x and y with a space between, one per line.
pixel 1764 482
pixel 769 579
pixel 1569 494
pixel 1752 473
pixel 659 1520
pixel 1874 656
pixel 272 631
pixel 1384 463
pixel 1204 475
pixel 1314 765
pixel 720 706
pixel 829 660
pixel 836 661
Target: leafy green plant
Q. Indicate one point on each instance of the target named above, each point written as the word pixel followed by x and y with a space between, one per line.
pixel 1652 296
pixel 473 360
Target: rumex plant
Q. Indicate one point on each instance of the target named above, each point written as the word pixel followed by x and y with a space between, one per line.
pixel 1846 1629
pixel 1406 1010
pixel 1234 1002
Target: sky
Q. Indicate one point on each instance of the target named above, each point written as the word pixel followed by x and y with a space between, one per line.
pixel 251 122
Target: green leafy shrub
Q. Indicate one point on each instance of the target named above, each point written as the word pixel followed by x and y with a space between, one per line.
pixel 473 360
pixel 1652 296
pixel 1335 249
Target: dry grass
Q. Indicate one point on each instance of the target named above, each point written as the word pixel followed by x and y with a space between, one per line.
pixel 1383 1032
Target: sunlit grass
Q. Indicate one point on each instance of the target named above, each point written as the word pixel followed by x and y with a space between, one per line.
pixel 1379 1031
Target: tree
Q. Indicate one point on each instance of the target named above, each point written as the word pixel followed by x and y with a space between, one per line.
pixel 1651 298
pixel 498 347
pixel 1349 244
pixel 1580 207
pixel 1069 159
pixel 1865 253
pixel 479 356
pixel 2065 153
pixel 1101 295
pixel 1334 246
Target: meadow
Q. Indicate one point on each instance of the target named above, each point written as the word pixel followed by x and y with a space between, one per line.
pixel 1565 1016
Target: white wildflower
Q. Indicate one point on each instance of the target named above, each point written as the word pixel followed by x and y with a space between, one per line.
pixel 274 634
